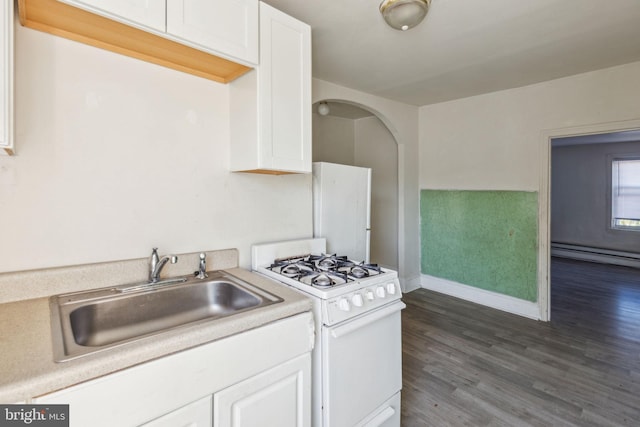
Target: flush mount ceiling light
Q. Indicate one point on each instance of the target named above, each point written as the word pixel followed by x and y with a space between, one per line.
pixel 323 108
pixel 404 14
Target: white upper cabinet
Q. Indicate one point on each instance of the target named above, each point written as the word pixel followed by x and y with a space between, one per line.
pixel 228 25
pixel 228 28
pixel 271 105
pixel 6 77
pixel 148 13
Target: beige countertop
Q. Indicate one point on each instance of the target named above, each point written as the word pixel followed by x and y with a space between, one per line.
pixel 27 367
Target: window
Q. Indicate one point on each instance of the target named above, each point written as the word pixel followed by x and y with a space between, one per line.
pixel 625 194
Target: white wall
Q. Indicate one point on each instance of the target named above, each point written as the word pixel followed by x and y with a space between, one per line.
pixel 375 148
pixel 116 156
pixel 492 141
pixel 500 140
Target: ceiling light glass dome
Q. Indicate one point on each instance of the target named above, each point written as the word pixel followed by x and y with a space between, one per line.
pixel 404 14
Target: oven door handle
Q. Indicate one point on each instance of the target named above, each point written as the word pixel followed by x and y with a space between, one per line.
pixel 367 319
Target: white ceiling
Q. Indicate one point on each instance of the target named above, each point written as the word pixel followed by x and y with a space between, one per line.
pixel 466 47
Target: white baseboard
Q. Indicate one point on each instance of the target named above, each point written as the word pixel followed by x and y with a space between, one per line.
pixel 603 256
pixel 495 300
pixel 410 284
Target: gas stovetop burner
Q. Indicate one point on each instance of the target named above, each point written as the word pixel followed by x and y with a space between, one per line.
pixel 294 270
pixel 359 272
pixel 322 280
pixel 325 270
pixel 291 270
pixel 326 262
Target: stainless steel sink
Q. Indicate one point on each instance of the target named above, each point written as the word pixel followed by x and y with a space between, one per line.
pixel 86 322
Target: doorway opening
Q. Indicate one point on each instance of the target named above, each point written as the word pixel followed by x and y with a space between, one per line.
pixel 350 134
pixel 581 204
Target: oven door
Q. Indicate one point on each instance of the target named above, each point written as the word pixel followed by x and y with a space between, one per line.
pixel 361 365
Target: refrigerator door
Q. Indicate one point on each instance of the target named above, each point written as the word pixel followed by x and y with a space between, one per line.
pixel 341 208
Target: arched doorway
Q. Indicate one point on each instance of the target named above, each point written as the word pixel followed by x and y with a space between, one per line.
pixel 354 135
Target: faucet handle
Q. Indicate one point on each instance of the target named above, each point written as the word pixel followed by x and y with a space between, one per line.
pixel 202 267
pixel 153 261
pixel 156 264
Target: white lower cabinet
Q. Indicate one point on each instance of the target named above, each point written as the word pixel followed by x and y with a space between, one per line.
pixel 278 397
pixel 196 414
pixel 257 378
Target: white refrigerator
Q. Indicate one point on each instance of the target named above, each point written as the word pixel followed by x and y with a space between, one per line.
pixel 342 208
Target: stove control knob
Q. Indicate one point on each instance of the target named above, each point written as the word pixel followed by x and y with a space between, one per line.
pixel 391 288
pixel 370 296
pixel 380 292
pixel 357 300
pixel 343 304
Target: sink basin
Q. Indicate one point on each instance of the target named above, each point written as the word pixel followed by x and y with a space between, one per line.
pixel 86 322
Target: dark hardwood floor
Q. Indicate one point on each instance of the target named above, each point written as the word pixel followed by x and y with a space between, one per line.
pixel 468 365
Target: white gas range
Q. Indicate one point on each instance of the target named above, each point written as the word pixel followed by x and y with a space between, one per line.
pixel 357 358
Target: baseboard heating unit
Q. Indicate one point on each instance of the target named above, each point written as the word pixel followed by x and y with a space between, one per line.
pixel 603 256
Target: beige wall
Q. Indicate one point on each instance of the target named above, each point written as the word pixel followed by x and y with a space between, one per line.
pixel 402 122
pixel 333 139
pixel 368 143
pixel 375 148
pixel 115 156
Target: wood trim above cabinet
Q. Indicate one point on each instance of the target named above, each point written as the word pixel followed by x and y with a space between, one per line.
pixel 76 24
pixel 267 171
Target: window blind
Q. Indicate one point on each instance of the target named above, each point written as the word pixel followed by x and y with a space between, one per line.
pixel 626 193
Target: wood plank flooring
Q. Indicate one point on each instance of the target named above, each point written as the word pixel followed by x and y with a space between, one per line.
pixel 468 365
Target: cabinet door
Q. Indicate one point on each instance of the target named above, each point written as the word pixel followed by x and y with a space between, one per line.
pixel 196 414
pixel 278 397
pixel 284 87
pixel 148 13
pixel 6 77
pixel 229 27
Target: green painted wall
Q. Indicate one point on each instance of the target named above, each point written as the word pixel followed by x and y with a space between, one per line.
pixel 486 239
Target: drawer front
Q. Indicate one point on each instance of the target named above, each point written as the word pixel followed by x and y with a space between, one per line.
pixel 196 414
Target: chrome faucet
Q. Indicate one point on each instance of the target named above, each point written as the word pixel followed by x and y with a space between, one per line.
pixel 156 264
